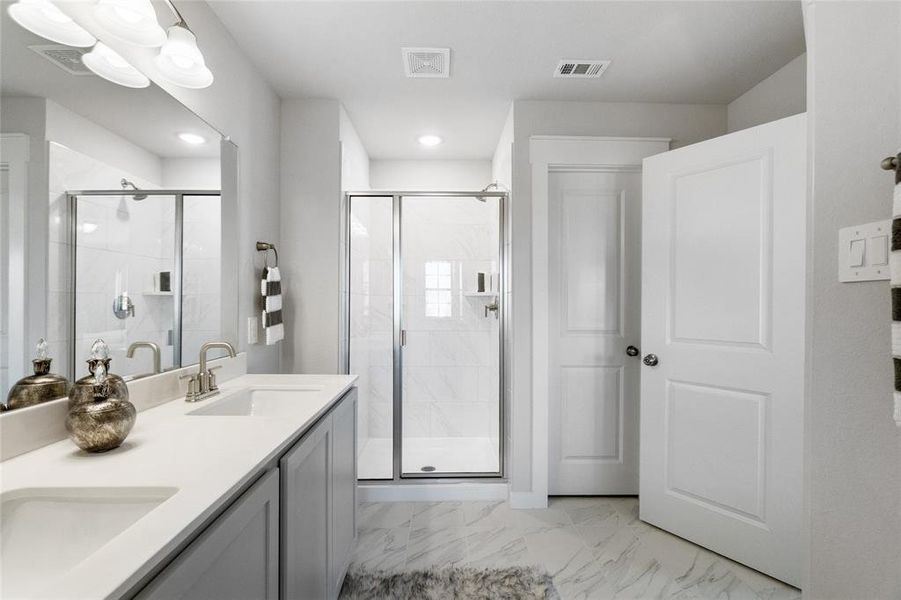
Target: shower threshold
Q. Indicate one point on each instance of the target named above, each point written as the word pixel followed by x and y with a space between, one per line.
pixel 445 454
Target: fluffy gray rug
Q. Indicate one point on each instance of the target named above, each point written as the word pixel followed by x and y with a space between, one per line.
pixel 519 583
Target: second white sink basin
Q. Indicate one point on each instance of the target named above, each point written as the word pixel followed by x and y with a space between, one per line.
pixel 45 532
pixel 261 402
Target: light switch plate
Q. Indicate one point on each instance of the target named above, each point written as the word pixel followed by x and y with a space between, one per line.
pixel 863 251
pixel 253 330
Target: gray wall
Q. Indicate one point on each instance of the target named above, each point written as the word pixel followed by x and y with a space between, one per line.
pixel 685 123
pixel 853 448
pixel 782 94
pixel 310 233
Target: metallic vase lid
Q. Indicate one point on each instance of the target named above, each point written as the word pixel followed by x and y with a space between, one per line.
pixel 99 378
pixel 43 386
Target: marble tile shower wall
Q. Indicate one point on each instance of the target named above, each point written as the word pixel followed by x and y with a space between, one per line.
pixel 371 305
pixel 202 276
pixel 451 361
pixel 116 235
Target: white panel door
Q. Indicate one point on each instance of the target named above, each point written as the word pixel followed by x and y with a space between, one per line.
pixel 723 287
pixel 593 300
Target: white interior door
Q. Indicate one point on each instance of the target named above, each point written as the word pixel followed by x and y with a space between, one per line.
pixel 723 287
pixel 593 305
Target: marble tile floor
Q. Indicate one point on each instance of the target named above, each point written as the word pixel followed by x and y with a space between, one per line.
pixel 593 548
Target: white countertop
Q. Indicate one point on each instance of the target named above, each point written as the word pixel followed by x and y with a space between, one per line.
pixel 208 458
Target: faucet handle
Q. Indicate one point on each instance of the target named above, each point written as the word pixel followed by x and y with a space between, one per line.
pixel 212 377
pixel 193 388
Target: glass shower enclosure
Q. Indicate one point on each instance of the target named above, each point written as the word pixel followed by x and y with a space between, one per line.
pixel 140 266
pixel 425 291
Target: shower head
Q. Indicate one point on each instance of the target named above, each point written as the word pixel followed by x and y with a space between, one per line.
pixel 487 188
pixel 126 184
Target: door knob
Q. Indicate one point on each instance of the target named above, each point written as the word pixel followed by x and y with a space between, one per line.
pixel 632 351
pixel 650 360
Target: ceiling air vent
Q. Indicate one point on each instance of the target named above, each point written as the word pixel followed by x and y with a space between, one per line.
pixel 66 58
pixel 581 69
pixel 426 62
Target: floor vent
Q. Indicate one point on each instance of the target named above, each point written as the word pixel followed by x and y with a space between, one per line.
pixel 581 69
pixel 66 58
pixel 426 62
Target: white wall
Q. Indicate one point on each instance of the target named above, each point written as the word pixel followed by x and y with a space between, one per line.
pixel 685 123
pixel 502 173
pixel 782 94
pixel 436 175
pixel 853 447
pixel 191 173
pixel 87 137
pixel 310 232
pixel 29 116
pixel 354 158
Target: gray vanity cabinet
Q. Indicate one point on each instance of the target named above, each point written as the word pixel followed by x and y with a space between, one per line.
pixel 306 495
pixel 318 518
pixel 236 557
pixel 290 536
pixel 344 489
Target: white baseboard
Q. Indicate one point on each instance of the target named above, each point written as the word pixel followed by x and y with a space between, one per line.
pixel 528 500
pixel 432 492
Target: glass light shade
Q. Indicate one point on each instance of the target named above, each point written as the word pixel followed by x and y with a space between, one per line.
pixel 131 21
pixel 181 62
pixel 43 18
pixel 108 64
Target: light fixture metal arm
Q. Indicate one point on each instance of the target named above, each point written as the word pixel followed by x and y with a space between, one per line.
pixel 181 20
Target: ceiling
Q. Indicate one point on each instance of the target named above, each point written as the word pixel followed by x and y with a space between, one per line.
pixel 682 52
pixel 149 117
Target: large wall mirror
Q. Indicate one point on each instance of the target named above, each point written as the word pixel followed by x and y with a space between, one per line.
pixel 111 218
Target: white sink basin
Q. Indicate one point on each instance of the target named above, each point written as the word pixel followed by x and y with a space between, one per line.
pixel 262 402
pixel 45 532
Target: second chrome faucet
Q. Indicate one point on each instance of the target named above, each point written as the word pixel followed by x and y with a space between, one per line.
pixel 203 383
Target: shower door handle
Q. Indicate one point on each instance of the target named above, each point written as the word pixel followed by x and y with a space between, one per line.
pixel 403 338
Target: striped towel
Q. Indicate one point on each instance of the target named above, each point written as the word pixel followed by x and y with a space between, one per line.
pixel 271 290
pixel 896 290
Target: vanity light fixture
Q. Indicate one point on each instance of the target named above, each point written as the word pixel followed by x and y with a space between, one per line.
pixel 107 63
pixel 180 60
pixel 130 21
pixel 191 138
pixel 43 18
pixel 430 140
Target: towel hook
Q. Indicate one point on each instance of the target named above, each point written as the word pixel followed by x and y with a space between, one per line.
pixel 265 247
pixel 893 163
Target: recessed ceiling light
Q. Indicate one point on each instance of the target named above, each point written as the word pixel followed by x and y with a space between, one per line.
pixel 429 140
pixel 191 138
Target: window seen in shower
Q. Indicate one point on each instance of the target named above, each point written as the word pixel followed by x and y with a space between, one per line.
pixel 438 298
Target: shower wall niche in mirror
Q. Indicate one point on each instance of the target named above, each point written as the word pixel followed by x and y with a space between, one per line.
pixel 111 218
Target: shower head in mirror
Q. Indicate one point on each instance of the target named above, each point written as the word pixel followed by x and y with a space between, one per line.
pixel 126 184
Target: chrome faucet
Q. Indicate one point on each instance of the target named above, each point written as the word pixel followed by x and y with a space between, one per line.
pixel 153 347
pixel 203 384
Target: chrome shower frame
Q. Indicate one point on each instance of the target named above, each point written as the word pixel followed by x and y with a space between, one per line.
pixel 399 477
pixel 178 257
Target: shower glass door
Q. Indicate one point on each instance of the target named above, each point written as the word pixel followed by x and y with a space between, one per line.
pixel 450 336
pixel 424 302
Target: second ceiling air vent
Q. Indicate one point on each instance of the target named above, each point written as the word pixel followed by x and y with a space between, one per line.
pixel 426 62
pixel 581 69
